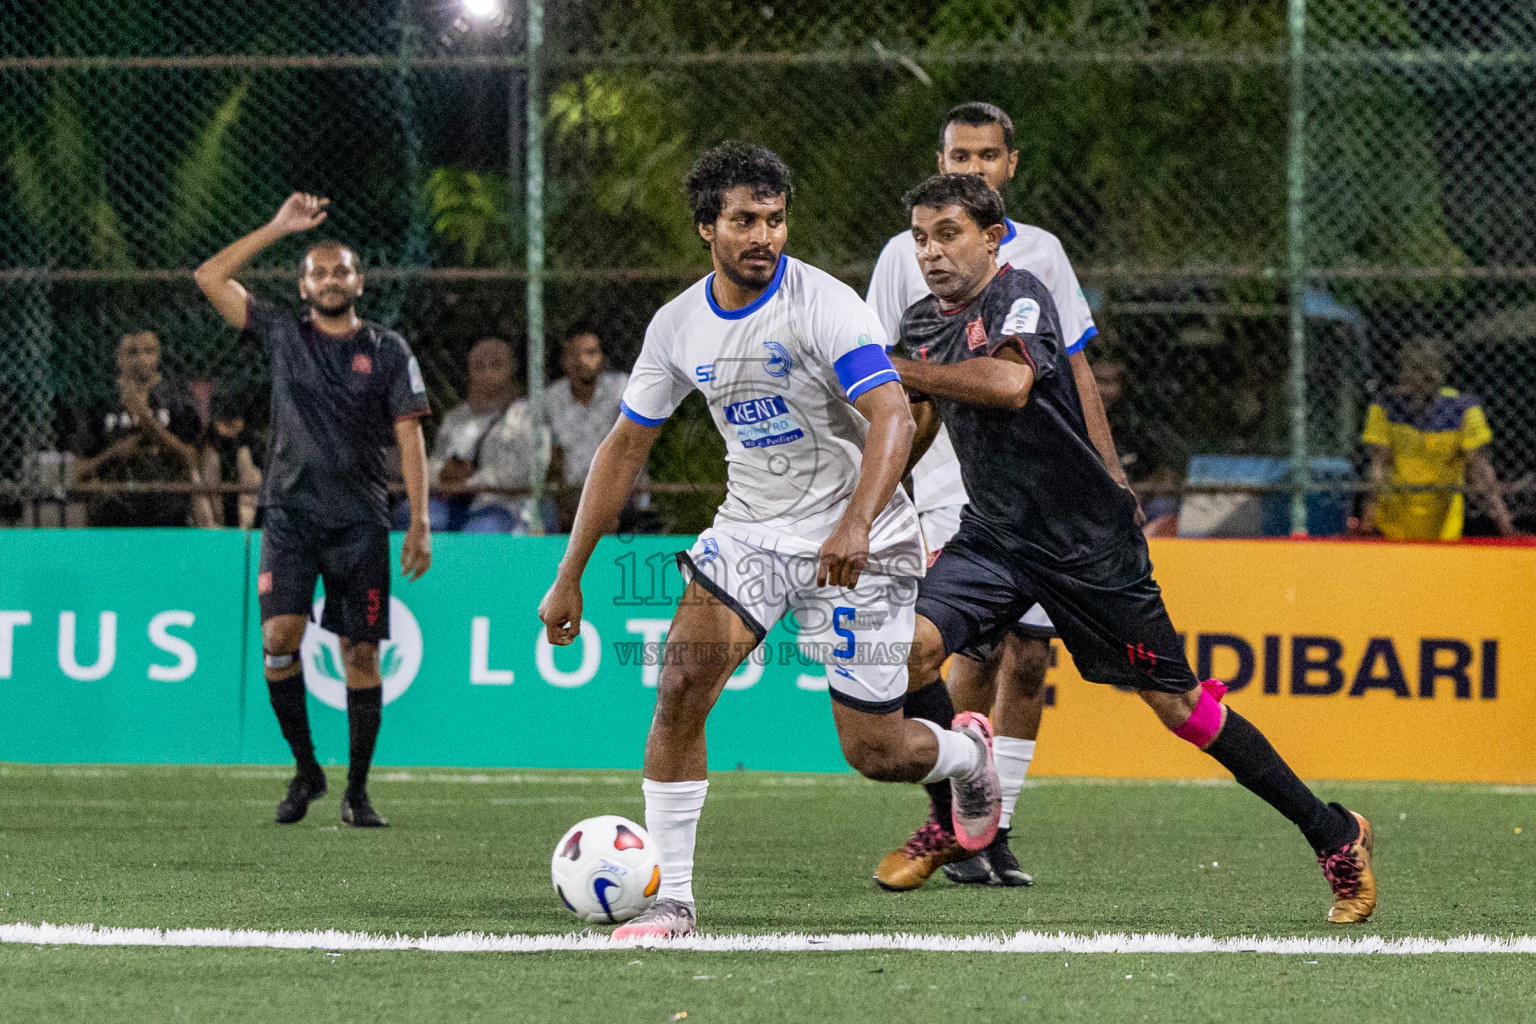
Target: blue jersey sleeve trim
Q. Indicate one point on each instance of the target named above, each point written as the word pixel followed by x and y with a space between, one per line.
pixel 1082 343
pixel 644 421
pixel 865 367
pixel 751 307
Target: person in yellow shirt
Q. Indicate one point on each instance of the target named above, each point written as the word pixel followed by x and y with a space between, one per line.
pixel 1424 434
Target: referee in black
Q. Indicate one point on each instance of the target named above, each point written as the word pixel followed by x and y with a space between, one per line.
pixel 343 389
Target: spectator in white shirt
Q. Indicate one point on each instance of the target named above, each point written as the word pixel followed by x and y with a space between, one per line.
pixel 581 408
pixel 487 440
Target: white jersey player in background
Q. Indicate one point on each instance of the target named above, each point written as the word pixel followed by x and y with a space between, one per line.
pixel 977 138
pixel 818 431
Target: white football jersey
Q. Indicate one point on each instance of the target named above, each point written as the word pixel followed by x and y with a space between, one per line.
pixel 780 376
pixel 898 282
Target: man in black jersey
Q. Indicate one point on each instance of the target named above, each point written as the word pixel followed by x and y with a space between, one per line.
pixel 1047 522
pixel 343 389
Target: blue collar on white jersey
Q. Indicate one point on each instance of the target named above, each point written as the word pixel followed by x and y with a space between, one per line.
pixel 1013 231
pixel 753 306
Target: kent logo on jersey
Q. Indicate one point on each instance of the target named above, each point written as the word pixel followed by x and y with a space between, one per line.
pixel 756 410
pixel 763 422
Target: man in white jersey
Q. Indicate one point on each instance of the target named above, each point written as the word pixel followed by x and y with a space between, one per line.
pixel 1009 681
pixel 818 430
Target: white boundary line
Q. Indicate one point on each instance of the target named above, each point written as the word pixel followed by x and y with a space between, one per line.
pixel 785 942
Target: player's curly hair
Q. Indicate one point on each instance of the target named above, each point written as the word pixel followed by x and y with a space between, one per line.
pixel 730 165
pixel 975 115
pixel 969 191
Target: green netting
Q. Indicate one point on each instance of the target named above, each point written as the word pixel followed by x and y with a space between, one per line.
pixel 1154 140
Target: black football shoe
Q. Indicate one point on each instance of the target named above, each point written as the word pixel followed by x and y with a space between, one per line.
pixel 996 865
pixel 359 813
pixel 304 790
pixel 1005 866
pixel 976 870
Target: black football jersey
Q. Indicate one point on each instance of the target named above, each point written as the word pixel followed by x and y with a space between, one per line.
pixel 1037 485
pixel 335 401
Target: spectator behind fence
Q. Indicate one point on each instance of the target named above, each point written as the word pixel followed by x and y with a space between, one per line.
pixel 234 450
pixel 1423 433
pixel 147 435
pixel 488 441
pixel 581 408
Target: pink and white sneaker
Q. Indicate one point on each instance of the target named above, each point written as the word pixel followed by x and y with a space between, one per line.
pixel 978 798
pixel 667 919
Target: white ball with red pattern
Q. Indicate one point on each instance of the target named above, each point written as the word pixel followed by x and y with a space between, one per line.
pixel 605 869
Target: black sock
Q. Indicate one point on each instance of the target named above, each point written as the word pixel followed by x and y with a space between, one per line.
pixel 289 702
pixel 1243 751
pixel 364 709
pixel 932 702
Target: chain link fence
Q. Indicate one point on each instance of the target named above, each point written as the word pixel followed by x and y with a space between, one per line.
pixel 1212 168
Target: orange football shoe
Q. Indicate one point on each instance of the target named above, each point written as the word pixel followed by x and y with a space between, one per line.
pixel 1349 874
pixel 930 848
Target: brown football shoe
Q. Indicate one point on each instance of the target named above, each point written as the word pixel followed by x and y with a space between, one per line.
pixel 1349 874
pixel 930 848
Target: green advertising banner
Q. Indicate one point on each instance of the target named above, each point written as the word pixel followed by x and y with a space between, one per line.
pixel 468 679
pixel 122 645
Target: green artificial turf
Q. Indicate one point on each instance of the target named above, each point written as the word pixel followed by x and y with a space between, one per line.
pixel 190 846
pixel 259 985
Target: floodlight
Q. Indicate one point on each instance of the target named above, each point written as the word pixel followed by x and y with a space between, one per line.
pixel 483 10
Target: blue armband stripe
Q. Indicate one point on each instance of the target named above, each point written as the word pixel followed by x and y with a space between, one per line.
pixel 874 380
pixel 644 421
pixel 1081 343
pixel 865 367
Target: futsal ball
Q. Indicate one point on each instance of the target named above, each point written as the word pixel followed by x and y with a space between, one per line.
pixel 605 869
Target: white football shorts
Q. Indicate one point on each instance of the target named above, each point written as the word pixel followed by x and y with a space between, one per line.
pixel 862 636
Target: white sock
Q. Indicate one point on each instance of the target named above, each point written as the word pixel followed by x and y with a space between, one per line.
pixel 672 818
pixel 1013 757
pixel 958 753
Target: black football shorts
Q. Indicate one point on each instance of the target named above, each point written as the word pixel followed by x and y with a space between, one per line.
pixel 353 561
pixel 982 650
pixel 1109 615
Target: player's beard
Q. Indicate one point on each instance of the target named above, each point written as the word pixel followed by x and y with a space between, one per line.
pixel 333 305
pixel 742 278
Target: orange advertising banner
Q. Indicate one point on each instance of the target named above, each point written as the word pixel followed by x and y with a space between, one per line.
pixel 1357 660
